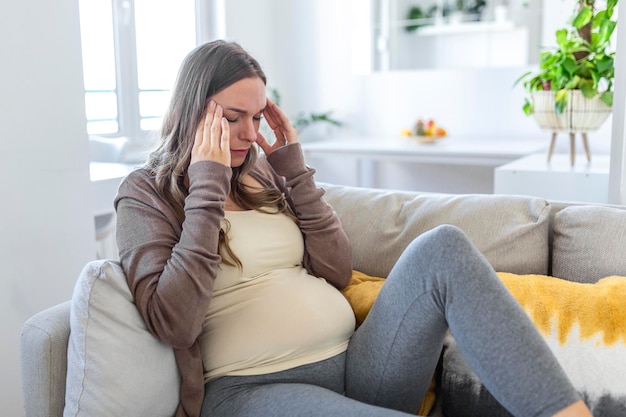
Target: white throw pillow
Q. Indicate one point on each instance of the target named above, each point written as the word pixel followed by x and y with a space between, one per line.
pixel 115 366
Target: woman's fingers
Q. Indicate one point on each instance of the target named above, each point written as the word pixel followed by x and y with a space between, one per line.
pixel 270 114
pixel 215 131
pixel 225 142
pixel 198 143
pixel 280 124
pixel 263 143
pixel 212 138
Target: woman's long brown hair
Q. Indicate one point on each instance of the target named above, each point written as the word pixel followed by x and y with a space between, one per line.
pixel 205 71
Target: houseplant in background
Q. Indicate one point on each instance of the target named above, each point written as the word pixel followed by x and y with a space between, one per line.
pixel 305 122
pixel 573 90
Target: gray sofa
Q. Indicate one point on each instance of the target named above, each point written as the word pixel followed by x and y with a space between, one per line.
pixel 518 235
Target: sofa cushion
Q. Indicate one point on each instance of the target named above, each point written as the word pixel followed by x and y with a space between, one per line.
pixel 511 231
pixel 589 243
pixel 115 366
pixel 43 355
pixel 361 292
pixel 585 327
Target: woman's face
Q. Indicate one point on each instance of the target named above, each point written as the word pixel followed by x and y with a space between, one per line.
pixel 243 103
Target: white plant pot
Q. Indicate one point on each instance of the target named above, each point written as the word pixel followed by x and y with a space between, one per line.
pixel 581 114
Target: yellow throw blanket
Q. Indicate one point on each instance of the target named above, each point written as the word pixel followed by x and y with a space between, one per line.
pixel 361 293
pixel 576 320
pixel 556 305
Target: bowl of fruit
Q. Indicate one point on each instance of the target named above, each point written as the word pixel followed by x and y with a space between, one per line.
pixel 425 131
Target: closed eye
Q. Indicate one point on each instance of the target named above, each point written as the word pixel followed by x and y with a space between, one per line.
pixel 236 119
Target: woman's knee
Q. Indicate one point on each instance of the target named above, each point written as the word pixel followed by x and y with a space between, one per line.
pixel 445 239
pixel 447 232
pixel 443 253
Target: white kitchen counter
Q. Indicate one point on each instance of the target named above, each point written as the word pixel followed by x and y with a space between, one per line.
pixel 365 161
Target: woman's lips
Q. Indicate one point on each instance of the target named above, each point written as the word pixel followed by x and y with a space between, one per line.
pixel 239 152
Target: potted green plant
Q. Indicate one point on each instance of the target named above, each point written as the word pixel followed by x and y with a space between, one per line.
pixel 305 121
pixel 573 89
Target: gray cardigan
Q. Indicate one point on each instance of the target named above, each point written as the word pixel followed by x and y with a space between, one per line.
pixel 171 267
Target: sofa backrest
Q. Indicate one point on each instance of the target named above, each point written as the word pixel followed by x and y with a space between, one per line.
pixel 525 235
pixel 588 241
pixel 512 232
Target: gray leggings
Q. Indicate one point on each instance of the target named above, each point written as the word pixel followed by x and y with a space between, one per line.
pixel 440 282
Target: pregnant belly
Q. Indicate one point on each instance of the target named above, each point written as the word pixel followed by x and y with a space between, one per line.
pixel 272 320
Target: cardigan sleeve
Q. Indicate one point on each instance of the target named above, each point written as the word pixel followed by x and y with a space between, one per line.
pixel 328 253
pixel 171 267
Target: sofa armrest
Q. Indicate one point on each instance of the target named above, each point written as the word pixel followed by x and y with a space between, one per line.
pixel 43 349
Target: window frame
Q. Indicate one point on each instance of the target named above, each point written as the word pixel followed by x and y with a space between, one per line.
pixel 126 74
pixel 209 21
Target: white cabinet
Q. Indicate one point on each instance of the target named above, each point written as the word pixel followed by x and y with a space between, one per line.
pixel 556 180
pixel 463 45
pixel 427 34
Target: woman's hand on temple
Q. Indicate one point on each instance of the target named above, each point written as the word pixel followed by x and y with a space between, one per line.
pixel 283 130
pixel 212 141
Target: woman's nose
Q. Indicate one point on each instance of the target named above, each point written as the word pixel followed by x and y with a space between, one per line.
pixel 249 131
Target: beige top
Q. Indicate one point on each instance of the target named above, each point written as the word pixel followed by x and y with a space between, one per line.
pixel 271 315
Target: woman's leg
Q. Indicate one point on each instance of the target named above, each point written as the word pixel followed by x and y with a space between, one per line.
pixel 441 281
pixel 310 390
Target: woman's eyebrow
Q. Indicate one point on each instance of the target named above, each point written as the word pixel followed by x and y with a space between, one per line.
pixel 242 111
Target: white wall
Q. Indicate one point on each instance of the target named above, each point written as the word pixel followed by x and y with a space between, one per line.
pixel 46 225
pixel 283 36
pixel 306 53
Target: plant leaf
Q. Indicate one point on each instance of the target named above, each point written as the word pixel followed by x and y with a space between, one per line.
pixel 607 98
pixel 604 63
pixel 588 88
pixel 523 76
pixel 560 101
pixel 610 5
pixel 583 17
pixel 570 66
pixel 605 31
pixel 599 18
pixel 573 83
pixel 561 38
pixel 528 107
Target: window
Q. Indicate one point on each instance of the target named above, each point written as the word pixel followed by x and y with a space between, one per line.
pixel 131 53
